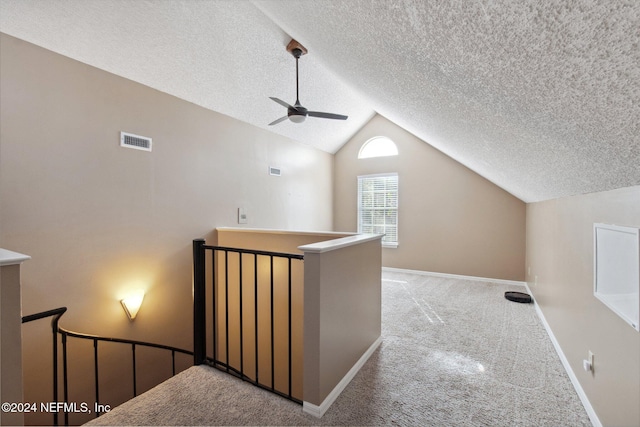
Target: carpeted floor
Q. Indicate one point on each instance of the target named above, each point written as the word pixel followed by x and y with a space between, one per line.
pixel 454 353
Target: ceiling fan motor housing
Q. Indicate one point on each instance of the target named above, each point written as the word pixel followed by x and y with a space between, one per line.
pixel 297 115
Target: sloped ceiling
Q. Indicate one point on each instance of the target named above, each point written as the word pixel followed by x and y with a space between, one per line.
pixel 542 98
pixel 225 55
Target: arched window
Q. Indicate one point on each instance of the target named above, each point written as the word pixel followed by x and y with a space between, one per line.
pixel 378 146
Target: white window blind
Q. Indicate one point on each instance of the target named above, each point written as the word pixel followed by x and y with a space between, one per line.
pixel 378 206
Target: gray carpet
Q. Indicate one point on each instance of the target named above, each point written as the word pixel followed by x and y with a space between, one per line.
pixel 454 353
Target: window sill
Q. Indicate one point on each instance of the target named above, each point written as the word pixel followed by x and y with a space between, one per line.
pixel 390 245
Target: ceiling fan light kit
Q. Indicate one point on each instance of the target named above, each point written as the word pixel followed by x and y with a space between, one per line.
pixel 296 112
pixel 297 118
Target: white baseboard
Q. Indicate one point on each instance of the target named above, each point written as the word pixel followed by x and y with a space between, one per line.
pixel 318 411
pixel 455 276
pixel 567 367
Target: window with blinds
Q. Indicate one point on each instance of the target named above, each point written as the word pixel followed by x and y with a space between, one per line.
pixel 378 206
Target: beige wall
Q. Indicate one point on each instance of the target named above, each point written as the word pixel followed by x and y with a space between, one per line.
pixel 451 220
pixel 10 342
pixel 99 220
pixel 342 313
pixel 560 264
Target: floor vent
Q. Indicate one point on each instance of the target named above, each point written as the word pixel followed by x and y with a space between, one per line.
pixel 137 142
pixel 275 171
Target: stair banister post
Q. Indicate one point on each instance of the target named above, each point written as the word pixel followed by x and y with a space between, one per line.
pixel 199 304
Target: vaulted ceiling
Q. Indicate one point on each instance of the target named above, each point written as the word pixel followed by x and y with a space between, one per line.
pixel 541 98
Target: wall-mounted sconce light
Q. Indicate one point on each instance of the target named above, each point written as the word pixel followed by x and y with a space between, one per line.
pixel 132 304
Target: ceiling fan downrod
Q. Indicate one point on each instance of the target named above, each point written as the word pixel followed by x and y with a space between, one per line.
pixel 297 53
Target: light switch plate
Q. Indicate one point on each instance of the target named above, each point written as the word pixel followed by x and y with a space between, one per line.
pixel 242 216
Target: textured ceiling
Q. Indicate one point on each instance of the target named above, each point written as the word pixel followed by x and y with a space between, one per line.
pixel 542 98
pixel 226 56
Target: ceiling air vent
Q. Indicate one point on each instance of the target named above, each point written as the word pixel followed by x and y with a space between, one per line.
pixel 275 171
pixel 137 142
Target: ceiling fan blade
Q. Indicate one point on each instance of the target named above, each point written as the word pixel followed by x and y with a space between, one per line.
pixel 281 119
pixel 327 115
pixel 281 102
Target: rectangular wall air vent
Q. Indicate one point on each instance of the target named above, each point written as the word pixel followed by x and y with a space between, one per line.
pixel 137 142
pixel 275 171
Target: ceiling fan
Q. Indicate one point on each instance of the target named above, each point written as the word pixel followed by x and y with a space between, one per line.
pixel 296 112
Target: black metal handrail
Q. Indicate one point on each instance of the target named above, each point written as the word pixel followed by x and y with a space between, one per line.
pixel 65 333
pixel 200 328
pixel 56 313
